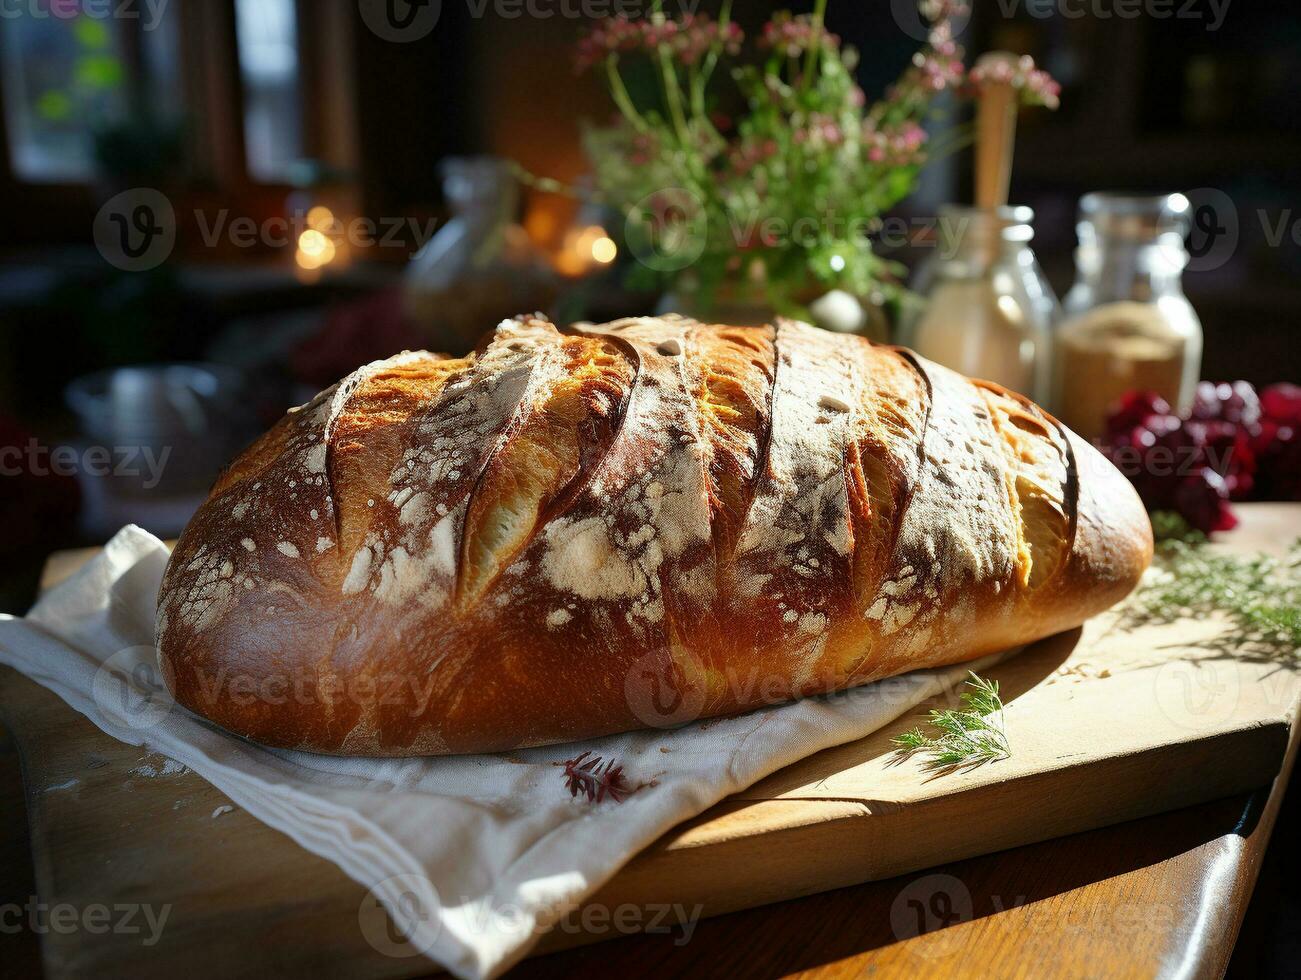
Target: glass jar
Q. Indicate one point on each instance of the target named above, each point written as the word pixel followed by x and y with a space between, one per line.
pixel 1128 324
pixel 481 267
pixel 989 311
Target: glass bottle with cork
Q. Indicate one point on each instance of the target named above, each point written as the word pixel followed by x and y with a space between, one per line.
pixel 1128 324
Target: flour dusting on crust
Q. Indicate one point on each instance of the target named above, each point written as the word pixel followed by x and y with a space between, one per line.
pixel 524 535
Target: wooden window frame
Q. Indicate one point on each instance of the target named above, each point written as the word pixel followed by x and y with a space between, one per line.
pixel 213 100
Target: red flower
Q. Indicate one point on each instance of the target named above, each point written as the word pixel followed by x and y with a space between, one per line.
pixel 1281 403
pixel 587 776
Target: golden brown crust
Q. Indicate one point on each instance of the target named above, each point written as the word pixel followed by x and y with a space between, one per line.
pixel 564 535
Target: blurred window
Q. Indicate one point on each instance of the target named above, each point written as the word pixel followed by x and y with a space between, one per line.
pixel 160 60
pixel 64 78
pixel 70 78
pixel 267 34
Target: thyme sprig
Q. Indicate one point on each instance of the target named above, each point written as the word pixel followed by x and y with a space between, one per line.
pixel 1259 594
pixel 971 735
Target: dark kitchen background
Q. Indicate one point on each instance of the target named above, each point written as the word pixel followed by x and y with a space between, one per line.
pixel 290 116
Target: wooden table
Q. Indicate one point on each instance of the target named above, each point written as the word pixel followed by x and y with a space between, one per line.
pixel 1160 896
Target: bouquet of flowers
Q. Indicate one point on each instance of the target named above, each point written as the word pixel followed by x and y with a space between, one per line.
pixel 791 192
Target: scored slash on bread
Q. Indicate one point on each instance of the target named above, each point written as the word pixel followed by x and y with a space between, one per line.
pixel 567 534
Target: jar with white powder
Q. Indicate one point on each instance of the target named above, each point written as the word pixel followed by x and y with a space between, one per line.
pixel 989 309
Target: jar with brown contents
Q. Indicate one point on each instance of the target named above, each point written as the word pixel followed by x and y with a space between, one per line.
pixel 1128 324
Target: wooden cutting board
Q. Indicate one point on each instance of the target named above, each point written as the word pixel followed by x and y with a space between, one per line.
pixel 1106 724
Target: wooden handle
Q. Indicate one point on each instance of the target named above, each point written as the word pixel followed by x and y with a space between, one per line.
pixel 995 132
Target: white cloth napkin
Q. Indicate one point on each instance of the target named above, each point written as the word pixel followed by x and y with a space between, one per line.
pixel 472 856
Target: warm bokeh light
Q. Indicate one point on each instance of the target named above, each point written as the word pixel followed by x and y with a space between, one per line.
pixel 604 250
pixel 314 250
pixel 320 218
pixel 584 247
pixel 313 243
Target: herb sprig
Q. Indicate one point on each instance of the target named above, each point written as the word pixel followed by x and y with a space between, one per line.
pixel 972 735
pixel 587 776
pixel 1259 594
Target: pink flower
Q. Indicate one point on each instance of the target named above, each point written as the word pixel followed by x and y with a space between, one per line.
pixel 794 35
pixel 1042 89
pixel 645 148
pixel 1034 85
pixel 688 39
pixel 898 145
pixel 745 156
pixel 697 36
pixel 820 132
pixel 941 11
pixel 609 36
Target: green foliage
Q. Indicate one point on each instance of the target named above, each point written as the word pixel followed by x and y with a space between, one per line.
pixel 91 33
pixel 972 735
pixel 790 192
pixel 98 71
pixel 54 105
pixel 1169 525
pixel 1259 594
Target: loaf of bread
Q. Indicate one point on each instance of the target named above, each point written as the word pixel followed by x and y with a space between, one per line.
pixel 568 534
